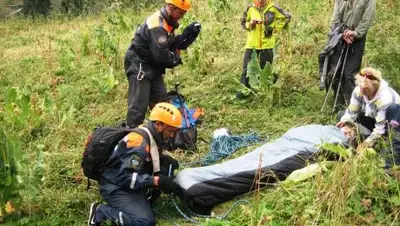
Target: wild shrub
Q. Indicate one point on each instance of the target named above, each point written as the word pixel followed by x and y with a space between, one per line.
pixel 19 172
pixel 263 82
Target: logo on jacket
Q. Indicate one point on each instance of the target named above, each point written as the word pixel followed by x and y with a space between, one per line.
pixel 162 39
pixel 136 162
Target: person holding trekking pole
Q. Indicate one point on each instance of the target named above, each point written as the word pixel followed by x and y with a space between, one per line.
pixel 355 17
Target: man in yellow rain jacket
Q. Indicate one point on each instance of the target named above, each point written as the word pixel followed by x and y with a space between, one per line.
pixel 262 20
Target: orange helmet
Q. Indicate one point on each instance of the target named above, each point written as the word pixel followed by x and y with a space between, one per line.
pixel 182 4
pixel 167 114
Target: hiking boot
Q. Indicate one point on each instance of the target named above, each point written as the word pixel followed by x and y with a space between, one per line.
pixel 92 214
pixel 240 96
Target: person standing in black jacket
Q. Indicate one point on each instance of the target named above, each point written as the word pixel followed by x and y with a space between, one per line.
pixel 153 49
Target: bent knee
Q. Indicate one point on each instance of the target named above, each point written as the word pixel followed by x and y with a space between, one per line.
pixel 392 110
pixel 148 221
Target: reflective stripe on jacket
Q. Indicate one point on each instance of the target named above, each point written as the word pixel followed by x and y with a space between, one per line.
pixel 130 165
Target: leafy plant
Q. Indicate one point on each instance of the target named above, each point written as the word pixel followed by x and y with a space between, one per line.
pixel 19 115
pixel 107 82
pixel 67 57
pixel 62 109
pixel 117 18
pixel 76 7
pixel 33 177
pixel 107 44
pixel 219 5
pixel 262 81
pixel 85 45
pixel 10 166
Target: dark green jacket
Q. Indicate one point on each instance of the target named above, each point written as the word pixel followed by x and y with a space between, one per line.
pixel 357 15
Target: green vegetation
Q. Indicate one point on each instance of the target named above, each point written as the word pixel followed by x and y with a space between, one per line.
pixel 61 77
pixel 262 81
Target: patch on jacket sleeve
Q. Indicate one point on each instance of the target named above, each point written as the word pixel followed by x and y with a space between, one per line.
pixel 134 140
pixel 162 39
pixel 136 162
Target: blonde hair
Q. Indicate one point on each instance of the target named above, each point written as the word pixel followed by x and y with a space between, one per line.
pixel 369 83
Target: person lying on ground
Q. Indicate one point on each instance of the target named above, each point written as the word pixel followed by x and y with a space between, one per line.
pixel 204 187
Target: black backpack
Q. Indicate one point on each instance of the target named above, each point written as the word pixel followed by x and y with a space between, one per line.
pixel 99 146
pixel 186 138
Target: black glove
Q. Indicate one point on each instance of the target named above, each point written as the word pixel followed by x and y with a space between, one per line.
pixel 268 31
pixel 166 184
pixel 188 36
pixel 152 194
pixel 165 162
pixel 193 29
pixel 180 192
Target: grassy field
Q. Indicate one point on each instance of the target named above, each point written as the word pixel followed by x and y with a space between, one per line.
pixel 61 77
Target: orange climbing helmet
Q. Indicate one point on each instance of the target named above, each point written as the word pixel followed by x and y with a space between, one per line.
pixel 167 114
pixel 181 4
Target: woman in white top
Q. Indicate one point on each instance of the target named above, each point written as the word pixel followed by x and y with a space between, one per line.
pixel 368 104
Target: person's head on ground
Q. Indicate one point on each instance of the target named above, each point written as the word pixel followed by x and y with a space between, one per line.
pixel 356 133
pixel 167 120
pixel 260 3
pixel 176 9
pixel 369 80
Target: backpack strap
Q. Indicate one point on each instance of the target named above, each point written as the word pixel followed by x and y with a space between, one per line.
pixel 142 133
pixel 155 156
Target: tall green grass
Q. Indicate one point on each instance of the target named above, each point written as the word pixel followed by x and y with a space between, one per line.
pixel 68 74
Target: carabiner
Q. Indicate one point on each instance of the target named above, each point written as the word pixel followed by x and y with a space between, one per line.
pixel 140 74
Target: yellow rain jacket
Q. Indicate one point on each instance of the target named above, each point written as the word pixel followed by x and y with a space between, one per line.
pixel 263 35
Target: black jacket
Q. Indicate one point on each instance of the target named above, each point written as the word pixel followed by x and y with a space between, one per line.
pixel 152 42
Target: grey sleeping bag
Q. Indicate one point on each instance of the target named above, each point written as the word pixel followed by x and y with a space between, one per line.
pixel 207 186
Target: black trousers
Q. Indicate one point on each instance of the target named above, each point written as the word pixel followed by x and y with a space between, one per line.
pixel 392 153
pixel 263 55
pixel 146 87
pixel 352 66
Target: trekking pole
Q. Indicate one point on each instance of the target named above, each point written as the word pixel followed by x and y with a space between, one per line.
pixel 323 76
pixel 333 79
pixel 341 77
